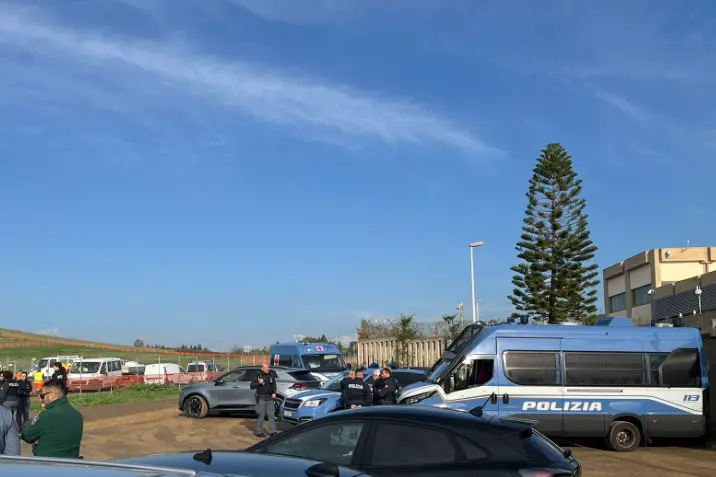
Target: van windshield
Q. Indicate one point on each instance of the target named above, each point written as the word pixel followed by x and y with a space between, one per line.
pixel 436 374
pixel 42 363
pixel 85 367
pixel 324 362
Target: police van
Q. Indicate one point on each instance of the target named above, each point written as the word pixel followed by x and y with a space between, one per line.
pixel 624 383
pixel 324 360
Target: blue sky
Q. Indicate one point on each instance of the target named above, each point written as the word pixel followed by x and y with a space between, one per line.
pixel 239 171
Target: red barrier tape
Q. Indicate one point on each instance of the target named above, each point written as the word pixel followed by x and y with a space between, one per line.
pixel 114 382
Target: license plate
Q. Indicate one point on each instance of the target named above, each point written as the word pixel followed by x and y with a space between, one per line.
pixel 288 413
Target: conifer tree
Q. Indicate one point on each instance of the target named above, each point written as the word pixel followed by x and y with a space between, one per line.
pixel 556 279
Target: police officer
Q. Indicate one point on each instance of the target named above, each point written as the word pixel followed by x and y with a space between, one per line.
pixel 265 386
pixel 24 391
pixel 356 393
pixel 349 377
pixel 8 391
pixel 385 390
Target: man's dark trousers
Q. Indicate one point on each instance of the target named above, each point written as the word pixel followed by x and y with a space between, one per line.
pixel 23 411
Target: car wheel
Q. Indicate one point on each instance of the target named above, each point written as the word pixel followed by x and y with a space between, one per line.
pixel 196 407
pixel 623 436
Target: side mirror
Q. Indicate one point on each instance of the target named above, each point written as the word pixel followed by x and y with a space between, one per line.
pixel 324 469
pixel 218 382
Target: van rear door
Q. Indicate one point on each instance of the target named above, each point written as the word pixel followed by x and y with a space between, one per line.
pixel 529 381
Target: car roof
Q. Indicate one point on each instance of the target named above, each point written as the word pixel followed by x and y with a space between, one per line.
pixel 51 467
pixel 229 462
pixel 432 415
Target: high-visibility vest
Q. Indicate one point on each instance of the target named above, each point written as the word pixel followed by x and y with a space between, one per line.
pixel 39 377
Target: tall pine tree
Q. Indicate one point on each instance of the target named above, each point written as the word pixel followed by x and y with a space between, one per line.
pixel 556 279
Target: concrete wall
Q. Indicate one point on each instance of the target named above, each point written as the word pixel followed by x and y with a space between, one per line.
pixel 422 352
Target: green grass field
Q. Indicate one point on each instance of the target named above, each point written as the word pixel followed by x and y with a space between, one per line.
pixel 22 358
pixel 138 392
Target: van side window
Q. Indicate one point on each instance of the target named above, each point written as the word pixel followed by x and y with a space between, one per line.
pixel 604 369
pixel 477 372
pixel 296 362
pixel 679 369
pixel 532 368
pixel 115 366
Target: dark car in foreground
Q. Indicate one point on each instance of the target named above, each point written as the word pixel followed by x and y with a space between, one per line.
pixel 243 464
pixel 387 441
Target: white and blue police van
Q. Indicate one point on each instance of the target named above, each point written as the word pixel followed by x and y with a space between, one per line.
pixel 324 360
pixel 627 384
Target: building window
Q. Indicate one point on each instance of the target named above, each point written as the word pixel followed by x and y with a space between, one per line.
pixel 617 302
pixel 640 296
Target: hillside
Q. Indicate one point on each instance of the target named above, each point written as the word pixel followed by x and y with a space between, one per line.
pixel 20 348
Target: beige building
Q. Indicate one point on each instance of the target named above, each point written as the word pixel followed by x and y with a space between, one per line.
pixel 633 287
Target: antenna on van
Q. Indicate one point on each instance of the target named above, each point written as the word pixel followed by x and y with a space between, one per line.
pixel 477 411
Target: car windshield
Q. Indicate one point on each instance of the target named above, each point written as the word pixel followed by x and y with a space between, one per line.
pixel 85 367
pixel 436 375
pixel 42 363
pixel 334 384
pixel 324 362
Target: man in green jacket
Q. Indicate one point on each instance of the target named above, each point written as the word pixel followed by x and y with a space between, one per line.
pixel 58 429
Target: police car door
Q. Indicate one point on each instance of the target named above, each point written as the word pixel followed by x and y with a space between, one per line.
pixel 472 384
pixel 530 381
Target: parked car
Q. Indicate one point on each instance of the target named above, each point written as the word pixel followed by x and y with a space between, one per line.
pixel 203 367
pixel 306 406
pixel 244 464
pixel 231 392
pixel 47 467
pixel 422 441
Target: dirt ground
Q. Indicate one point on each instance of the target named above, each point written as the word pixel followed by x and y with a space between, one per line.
pixel 127 430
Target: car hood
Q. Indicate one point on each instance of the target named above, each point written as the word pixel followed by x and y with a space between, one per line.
pixel 316 394
pixel 237 463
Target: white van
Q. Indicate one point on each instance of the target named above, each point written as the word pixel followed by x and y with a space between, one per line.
pixel 47 364
pixel 164 373
pixel 95 368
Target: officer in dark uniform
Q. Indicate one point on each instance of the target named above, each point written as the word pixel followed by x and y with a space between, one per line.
pixel 385 390
pixel 8 392
pixel 265 386
pixel 356 393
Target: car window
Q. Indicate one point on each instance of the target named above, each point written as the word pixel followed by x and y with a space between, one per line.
pixel 251 375
pixel 234 376
pixel 407 377
pixel 334 443
pixel 471 450
pixel 407 445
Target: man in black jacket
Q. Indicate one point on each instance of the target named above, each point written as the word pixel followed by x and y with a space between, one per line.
pixel 385 390
pixel 265 386
pixel 24 390
pixel 8 391
pixel 356 393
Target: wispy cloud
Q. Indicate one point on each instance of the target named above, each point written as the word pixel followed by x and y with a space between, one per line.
pixel 313 106
pixel 624 106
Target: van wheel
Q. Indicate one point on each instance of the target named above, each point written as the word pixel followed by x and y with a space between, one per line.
pixel 623 437
pixel 196 407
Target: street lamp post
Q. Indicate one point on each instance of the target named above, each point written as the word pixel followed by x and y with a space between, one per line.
pixel 473 246
pixel 698 295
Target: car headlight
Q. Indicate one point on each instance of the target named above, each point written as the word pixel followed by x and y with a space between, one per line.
pixel 314 403
pixel 417 398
